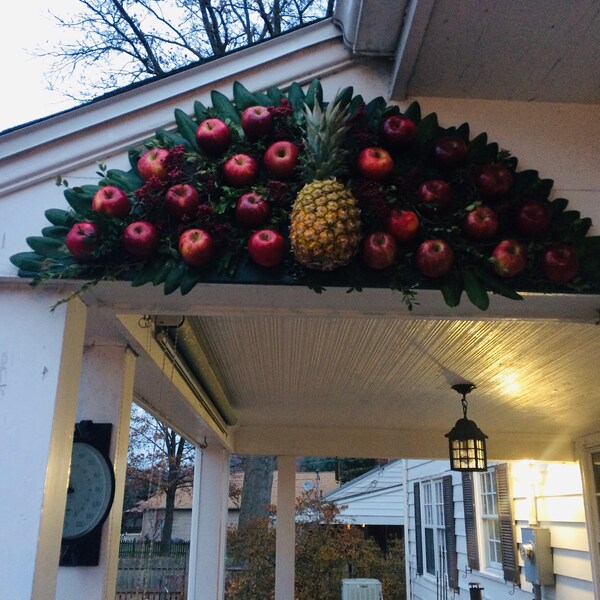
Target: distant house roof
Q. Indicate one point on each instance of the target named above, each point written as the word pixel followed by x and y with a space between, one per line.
pixel 324 483
pixel 374 498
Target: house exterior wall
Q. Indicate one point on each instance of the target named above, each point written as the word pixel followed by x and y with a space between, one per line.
pixel 375 498
pixel 544 495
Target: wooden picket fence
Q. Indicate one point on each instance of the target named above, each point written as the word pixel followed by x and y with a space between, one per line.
pixel 145 575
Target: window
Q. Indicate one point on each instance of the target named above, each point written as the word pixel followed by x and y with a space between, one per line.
pixel 489 524
pixel 433 525
pixel 490 521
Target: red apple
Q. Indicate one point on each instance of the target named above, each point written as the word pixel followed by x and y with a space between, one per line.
pixel 403 225
pixel 281 159
pixel 266 248
pixel 251 210
pixel 398 131
pixel 257 122
pixel 213 136
pixel 434 258
pixel 152 163
pixel 435 195
pixel 196 247
pixel 379 250
pixel 560 263
pixel 509 258
pixel 450 151
pixel 533 218
pixel 375 163
pixel 181 200
pixel 493 181
pixel 481 223
pixel 82 240
pixel 140 239
pixel 112 201
pixel 240 171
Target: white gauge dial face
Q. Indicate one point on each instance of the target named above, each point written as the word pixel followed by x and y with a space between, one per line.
pixel 90 491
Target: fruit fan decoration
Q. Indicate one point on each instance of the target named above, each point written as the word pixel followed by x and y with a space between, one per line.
pixel 282 187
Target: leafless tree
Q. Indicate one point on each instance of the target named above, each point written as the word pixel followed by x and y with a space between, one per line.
pixel 112 43
pixel 163 459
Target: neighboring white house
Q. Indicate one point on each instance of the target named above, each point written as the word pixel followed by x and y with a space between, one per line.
pixel 469 528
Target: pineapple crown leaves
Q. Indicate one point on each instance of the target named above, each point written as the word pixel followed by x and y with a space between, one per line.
pixel 326 129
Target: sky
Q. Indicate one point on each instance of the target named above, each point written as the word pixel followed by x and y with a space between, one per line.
pixel 24 94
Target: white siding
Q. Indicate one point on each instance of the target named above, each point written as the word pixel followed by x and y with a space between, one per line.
pixel 375 498
pixel 554 501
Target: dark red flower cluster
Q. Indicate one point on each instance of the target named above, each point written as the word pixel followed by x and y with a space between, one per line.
pixel 284 110
pixel 278 192
pixel 174 162
pixel 371 199
pixel 151 192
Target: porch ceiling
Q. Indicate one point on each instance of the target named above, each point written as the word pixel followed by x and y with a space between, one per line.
pixel 359 375
pixel 543 50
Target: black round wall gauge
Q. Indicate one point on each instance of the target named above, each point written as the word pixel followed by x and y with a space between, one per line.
pixel 90 494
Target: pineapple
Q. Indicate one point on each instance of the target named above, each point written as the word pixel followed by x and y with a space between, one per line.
pixel 325 219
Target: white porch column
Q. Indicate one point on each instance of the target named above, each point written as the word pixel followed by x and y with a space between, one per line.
pixel 105 396
pixel 40 363
pixel 209 524
pixel 285 545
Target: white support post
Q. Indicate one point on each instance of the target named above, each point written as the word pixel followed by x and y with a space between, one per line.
pixel 285 545
pixel 105 396
pixel 209 524
pixel 40 364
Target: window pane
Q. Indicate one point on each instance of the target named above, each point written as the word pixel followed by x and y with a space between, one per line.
pixel 429 551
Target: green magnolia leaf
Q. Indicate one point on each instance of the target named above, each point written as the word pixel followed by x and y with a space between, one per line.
pixel 187 128
pixel 314 92
pixel 463 131
pixel 49 247
pixel 544 188
pixel 477 151
pixel 243 98
pixel 496 285
pixel 225 109
pixel 200 111
pixel 427 129
pixel 565 220
pixel 475 290
pixel 171 139
pixel 344 96
pixel 188 281
pixel 128 181
pixel 57 232
pixel 296 97
pixel 80 202
pixel 31 262
pixel 525 180
pixel 413 112
pixel 558 205
pixel 59 217
pixel 161 274
pixel 173 278
pixel 375 111
pixel 133 155
pixel 355 105
pixel 451 288
pixel 275 94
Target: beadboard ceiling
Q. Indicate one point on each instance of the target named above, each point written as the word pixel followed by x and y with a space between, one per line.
pixel 341 373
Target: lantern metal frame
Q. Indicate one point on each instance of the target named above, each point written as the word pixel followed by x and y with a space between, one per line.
pixel 466 442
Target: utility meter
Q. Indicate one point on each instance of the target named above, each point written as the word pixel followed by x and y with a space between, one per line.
pixel 536 553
